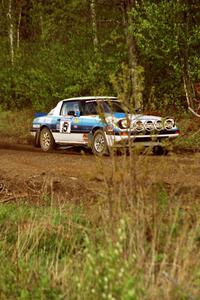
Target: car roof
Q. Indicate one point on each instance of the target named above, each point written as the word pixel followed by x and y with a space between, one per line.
pixel 90 98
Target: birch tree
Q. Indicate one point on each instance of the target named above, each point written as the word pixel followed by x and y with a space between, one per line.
pixel 94 24
pixel 11 33
pixel 184 31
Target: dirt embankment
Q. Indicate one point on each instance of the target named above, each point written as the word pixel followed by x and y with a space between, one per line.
pixel 28 174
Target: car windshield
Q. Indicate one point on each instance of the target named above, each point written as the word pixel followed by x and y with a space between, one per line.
pixel 96 107
pixel 112 106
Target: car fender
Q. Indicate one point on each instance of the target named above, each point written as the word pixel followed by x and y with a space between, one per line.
pixel 91 134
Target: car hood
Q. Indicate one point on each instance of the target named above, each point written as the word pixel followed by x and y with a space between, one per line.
pixel 115 117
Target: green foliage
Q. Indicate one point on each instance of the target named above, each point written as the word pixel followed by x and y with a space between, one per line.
pixel 56 58
pixel 107 274
pixel 40 247
pixel 189 138
pixel 164 30
pixel 121 85
pixel 69 252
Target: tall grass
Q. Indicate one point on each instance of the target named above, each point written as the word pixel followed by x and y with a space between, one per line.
pixel 138 238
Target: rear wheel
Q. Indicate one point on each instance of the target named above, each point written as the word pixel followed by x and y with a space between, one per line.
pixel 47 142
pixel 99 143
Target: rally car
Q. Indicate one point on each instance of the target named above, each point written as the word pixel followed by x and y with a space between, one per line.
pixel 100 123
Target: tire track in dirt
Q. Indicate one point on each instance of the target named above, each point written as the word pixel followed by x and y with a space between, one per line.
pixel 78 150
pixel 28 173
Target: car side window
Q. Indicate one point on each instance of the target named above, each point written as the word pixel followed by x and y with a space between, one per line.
pixel 90 108
pixel 69 106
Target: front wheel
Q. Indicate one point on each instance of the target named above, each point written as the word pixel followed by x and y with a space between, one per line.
pixel 47 142
pixel 99 143
pixel 159 150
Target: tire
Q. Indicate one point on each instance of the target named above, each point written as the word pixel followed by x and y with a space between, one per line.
pixel 47 142
pixel 99 143
pixel 159 150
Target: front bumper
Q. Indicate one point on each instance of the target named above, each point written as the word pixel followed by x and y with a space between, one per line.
pixel 134 140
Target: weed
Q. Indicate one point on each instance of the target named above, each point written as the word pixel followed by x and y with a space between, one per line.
pixel 136 238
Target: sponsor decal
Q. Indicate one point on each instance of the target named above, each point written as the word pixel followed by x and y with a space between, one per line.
pixel 76 120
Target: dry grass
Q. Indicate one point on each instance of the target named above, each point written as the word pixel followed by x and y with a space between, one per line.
pixel 138 237
pixel 15 126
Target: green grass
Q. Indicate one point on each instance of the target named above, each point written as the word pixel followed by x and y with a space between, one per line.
pixel 125 246
pixel 54 253
pixel 190 132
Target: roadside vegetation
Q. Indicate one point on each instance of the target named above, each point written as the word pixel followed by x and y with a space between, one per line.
pixel 15 126
pixel 138 238
pixel 146 51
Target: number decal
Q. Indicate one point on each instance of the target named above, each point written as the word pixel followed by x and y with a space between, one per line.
pixel 65 126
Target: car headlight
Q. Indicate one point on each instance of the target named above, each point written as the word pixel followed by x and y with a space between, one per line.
pixel 138 125
pixel 158 125
pixel 125 123
pixel 149 126
pixel 169 124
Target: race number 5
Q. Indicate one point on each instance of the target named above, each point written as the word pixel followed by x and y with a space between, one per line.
pixel 65 126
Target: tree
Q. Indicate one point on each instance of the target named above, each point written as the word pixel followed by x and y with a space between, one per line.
pixel 135 97
pixel 11 34
pixel 57 48
pixel 167 35
pixel 94 24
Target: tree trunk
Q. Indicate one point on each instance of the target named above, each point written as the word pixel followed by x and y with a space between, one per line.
pixel 127 5
pixel 11 32
pixel 94 24
pixel 184 61
pixel 186 80
pixel 18 26
pixel 189 94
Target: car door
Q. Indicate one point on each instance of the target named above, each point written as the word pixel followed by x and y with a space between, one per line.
pixel 90 117
pixel 70 123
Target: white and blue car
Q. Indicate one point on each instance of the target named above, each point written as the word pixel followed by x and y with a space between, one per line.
pixel 100 123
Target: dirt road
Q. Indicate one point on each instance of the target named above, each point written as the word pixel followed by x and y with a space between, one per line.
pixel 28 174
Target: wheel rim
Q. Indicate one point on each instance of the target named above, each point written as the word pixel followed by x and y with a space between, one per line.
pixel 45 140
pixel 99 143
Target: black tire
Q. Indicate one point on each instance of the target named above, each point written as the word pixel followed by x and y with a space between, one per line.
pixel 99 143
pixel 159 150
pixel 47 142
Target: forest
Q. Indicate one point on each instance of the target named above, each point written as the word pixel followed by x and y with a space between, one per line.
pixel 144 51
pixel 75 226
